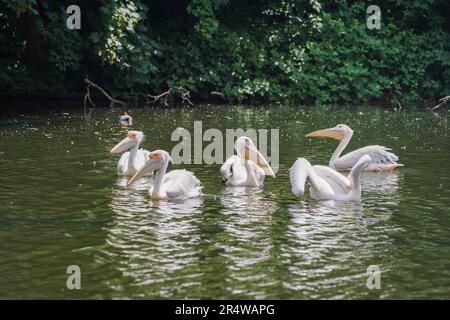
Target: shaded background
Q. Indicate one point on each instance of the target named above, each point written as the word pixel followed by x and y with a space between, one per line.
pixel 289 52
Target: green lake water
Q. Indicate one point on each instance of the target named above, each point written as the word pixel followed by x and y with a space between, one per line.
pixel 62 203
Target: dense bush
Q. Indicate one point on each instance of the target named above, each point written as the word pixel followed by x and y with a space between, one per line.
pixel 290 52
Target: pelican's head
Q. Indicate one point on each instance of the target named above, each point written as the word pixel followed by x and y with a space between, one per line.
pixel 247 150
pixel 156 160
pixel 338 132
pixel 133 138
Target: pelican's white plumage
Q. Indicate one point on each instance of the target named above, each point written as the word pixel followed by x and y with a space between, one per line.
pixel 130 161
pixel 326 183
pixel 176 184
pixel 382 158
pixel 233 171
pixel 248 168
pixel 125 119
pixel 180 184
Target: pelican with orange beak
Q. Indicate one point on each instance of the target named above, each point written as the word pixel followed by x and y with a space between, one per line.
pixel 381 157
pixel 132 158
pixel 174 185
pixel 248 168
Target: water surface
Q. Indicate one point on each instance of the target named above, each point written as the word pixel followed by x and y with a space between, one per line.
pixel 61 204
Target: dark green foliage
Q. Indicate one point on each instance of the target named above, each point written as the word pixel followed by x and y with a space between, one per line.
pixel 270 51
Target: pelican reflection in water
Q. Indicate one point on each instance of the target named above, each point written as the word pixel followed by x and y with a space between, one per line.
pixel 246 220
pixel 153 242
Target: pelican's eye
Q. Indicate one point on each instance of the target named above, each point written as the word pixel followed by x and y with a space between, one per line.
pixel 132 135
pixel 153 155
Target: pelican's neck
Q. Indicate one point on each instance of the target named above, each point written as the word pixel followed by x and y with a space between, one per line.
pixel 133 156
pixel 355 175
pixel 298 175
pixel 342 145
pixel 251 177
pixel 158 191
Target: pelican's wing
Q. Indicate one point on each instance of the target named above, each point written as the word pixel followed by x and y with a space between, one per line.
pixel 181 184
pixel 123 163
pixel 336 180
pixel 382 159
pixel 233 169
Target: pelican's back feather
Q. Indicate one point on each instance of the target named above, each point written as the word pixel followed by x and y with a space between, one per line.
pixel 181 184
pixel 382 158
pixel 334 178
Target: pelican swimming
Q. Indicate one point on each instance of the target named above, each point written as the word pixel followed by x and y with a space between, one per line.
pixel 132 160
pixel 248 168
pixel 382 159
pixel 176 184
pixel 326 183
pixel 125 119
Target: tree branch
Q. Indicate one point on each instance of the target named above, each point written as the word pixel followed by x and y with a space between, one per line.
pixel 87 97
pixel 217 93
pixel 442 101
pixel 184 94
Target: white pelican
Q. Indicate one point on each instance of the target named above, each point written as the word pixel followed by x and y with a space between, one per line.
pixel 382 159
pixel 177 184
pixel 248 168
pixel 327 183
pixel 125 119
pixel 130 162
